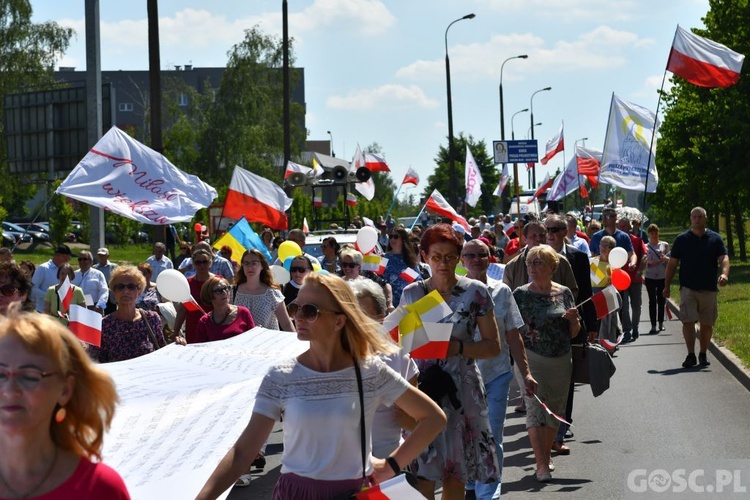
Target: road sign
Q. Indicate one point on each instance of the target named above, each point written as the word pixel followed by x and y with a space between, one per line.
pixel 515 151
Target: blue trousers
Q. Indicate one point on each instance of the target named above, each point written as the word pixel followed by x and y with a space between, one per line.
pixel 497 404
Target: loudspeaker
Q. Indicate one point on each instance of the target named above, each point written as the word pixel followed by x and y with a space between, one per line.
pixel 297 179
pixel 363 174
pixel 339 174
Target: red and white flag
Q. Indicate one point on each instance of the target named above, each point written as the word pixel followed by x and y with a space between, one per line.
pixel 292 168
pixel 305 226
pixel 473 179
pixel 411 177
pixel 551 413
pixel 545 185
pixel 376 162
pixel 375 263
pixel 351 199
pixel 588 163
pixel 85 324
pixel 417 328
pixel 703 62
pixel 317 201
pixel 554 146
pixel 65 292
pixel 605 302
pixel 409 275
pixel 396 488
pixel 192 305
pixel 258 199
pixel 504 177
pixel 358 160
pixel 436 203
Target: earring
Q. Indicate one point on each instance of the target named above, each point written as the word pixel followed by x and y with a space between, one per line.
pixel 60 414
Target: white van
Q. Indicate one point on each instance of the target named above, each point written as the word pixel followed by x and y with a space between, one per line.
pixel 526 207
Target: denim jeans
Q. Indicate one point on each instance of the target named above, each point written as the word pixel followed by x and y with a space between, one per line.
pixel 497 405
pixel 630 314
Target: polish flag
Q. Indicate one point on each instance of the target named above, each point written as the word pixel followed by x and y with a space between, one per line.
pixel 358 160
pixel 612 345
pixel 545 185
pixel 436 203
pixel 554 146
pixel 193 306
pixel 65 292
pixel 317 201
pixel 351 199
pixel 551 413
pixel 409 275
pixel 607 301
pixel 703 62
pixel 396 488
pixel 305 226
pixel 85 324
pixel 376 163
pixel 292 168
pixel 411 177
pixel 258 199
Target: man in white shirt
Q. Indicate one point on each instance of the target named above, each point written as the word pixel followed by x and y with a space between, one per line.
pixel 159 261
pixel 46 275
pixel 92 282
pixel 579 243
pixel 106 267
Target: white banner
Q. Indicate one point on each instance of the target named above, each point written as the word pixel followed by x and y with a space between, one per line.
pixel 568 181
pixel 626 147
pixel 122 175
pixel 183 407
pixel 473 180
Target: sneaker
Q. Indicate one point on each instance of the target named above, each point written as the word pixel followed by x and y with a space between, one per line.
pixel 568 434
pixel 690 361
pixel 703 360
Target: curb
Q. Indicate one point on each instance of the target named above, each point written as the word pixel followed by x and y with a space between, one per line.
pixel 723 355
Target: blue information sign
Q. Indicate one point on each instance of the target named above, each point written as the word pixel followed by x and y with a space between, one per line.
pixel 515 151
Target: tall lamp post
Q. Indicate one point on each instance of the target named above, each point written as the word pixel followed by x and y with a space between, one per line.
pixel 451 155
pixel 333 153
pixel 502 115
pixel 531 106
pixel 515 165
pixel 532 169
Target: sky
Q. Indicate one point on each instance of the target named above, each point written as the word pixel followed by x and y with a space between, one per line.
pixel 375 70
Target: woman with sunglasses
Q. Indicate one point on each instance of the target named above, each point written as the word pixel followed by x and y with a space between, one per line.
pixel 55 407
pixel 202 260
pixel 52 303
pixel 351 268
pixel 551 319
pixel 129 332
pixel 402 263
pixel 464 451
pixel 257 292
pixel 317 393
pixel 226 320
pixel 299 269
pixel 15 287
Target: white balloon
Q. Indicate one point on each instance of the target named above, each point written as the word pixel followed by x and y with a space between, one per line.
pixel 367 238
pixel 173 285
pixel 617 258
pixel 280 275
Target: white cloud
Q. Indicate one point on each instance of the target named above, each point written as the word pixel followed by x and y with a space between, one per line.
pixel 366 17
pixel 569 11
pixel 651 85
pixel 383 97
pixel 600 48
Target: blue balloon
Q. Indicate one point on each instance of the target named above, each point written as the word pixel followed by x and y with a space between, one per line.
pixel 288 263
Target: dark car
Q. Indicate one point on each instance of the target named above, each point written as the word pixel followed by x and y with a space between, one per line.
pixel 39 233
pixel 17 232
pixel 8 239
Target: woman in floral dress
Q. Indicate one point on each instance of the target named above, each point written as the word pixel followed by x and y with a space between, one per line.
pixel 465 450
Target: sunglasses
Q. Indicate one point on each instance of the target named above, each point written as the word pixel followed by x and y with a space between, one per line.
pixel 308 312
pixel 200 262
pixel 27 378
pixel 8 290
pixel 350 265
pixel 534 263
pixel 555 230
pixel 220 290
pixel 395 236
pixel 296 269
pixel 472 256
pixel 119 287
pixel 447 259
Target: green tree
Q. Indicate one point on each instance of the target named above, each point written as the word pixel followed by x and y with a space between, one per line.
pixel 442 180
pixel 28 52
pixel 61 214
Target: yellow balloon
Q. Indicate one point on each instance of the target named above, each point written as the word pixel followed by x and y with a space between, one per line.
pixel 289 249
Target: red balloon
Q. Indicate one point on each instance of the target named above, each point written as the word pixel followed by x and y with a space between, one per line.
pixel 197 227
pixel 620 279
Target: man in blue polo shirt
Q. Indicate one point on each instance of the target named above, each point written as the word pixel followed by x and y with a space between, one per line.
pixel 700 252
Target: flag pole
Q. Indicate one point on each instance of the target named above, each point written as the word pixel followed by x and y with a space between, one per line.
pixel 418 216
pixel 604 149
pixel 395 197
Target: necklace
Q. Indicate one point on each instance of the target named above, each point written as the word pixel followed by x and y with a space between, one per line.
pixel 213 316
pixel 16 494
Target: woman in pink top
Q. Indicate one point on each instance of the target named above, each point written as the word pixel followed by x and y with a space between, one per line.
pixel 225 320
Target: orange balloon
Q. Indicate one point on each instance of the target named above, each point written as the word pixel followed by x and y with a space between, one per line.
pixel 620 279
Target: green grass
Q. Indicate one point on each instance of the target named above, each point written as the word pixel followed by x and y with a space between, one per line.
pixel 119 254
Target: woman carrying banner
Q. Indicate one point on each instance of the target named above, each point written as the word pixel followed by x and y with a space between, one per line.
pixel 318 394
pixel 202 260
pixel 56 405
pixel 402 257
pixel 52 303
pixel 226 320
pixel 464 451
pixel 551 320
pixel 257 291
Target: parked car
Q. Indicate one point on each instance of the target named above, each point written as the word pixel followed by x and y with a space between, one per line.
pixel 8 239
pixel 39 233
pixel 314 239
pixel 18 232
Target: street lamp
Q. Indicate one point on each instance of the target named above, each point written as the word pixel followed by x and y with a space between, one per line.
pixel 451 156
pixel 512 128
pixel 332 152
pixel 502 115
pixel 515 165
pixel 528 132
pixel 575 143
pixel 531 106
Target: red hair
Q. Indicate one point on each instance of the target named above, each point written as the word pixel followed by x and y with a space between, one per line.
pixel 440 233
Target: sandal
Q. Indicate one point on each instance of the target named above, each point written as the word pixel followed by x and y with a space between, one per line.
pixel 243 480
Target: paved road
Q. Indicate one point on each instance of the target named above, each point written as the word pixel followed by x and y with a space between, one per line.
pixel 655 416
